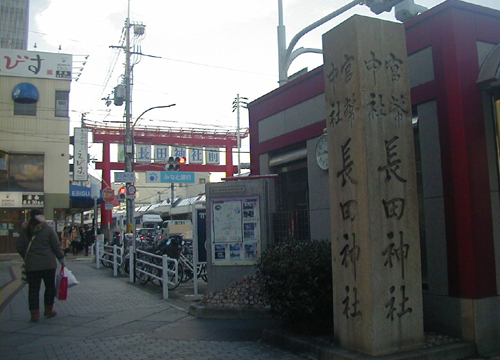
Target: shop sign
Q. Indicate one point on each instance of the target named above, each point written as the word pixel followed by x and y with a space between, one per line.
pixel 36 64
pixel 10 199
pixel 80 161
pixel 33 200
pixel 170 177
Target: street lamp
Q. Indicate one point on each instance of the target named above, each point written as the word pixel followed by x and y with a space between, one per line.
pixel 129 167
pixel 151 108
pixel 287 55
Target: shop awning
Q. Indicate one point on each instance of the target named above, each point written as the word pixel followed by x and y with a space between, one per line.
pixel 80 197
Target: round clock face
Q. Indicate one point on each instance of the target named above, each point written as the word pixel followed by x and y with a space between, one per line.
pixel 322 152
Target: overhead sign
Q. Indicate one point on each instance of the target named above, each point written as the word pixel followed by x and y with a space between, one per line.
pixel 196 156
pixel 212 156
pixel 170 177
pixel 124 177
pixel 143 153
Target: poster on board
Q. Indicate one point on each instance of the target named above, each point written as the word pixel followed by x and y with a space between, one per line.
pixel 235 231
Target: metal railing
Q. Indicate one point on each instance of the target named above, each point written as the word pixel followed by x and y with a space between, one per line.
pixel 109 256
pixel 164 273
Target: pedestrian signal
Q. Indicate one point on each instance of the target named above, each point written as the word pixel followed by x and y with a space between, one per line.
pixel 122 193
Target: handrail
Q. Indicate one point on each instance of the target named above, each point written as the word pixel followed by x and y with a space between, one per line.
pixel 166 271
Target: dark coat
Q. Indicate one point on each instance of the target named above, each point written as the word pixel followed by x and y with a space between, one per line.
pixel 45 248
pixel 89 237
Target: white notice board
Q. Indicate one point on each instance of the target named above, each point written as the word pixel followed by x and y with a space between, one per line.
pixel 235 237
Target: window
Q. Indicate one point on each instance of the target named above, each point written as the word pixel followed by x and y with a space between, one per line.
pixel 25 109
pixel 21 172
pixel 62 103
pixel 202 180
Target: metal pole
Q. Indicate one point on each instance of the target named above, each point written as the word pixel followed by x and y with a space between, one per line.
pixel 285 54
pixel 171 197
pixel 129 140
pixel 238 138
pixel 129 135
pixel 283 77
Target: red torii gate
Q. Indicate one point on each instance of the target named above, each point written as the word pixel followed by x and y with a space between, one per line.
pixel 161 136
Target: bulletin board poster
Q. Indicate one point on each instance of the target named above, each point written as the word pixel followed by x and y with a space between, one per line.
pixel 235 231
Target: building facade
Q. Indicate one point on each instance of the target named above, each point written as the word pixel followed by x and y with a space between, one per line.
pixel 14 24
pixel 454 65
pixel 34 138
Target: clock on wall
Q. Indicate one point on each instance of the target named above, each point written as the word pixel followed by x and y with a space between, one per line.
pixel 322 152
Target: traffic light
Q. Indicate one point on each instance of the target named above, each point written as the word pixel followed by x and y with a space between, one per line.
pixel 122 194
pixel 174 164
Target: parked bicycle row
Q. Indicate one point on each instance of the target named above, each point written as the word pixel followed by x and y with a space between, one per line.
pixel 149 262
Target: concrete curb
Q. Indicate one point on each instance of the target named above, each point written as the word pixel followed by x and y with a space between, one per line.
pixel 318 350
pixel 204 312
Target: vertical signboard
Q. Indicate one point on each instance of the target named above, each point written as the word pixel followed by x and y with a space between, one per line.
pixel 121 153
pixel 374 209
pixel 81 158
pixel 201 231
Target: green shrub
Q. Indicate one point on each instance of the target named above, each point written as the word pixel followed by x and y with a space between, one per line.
pixel 295 277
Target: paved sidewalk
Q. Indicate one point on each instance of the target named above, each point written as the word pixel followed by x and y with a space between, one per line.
pixel 108 318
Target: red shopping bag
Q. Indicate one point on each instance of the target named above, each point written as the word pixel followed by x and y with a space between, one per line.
pixel 62 285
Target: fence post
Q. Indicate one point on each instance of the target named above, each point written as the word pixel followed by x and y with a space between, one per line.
pixel 131 266
pixel 115 263
pixel 165 274
pixel 97 254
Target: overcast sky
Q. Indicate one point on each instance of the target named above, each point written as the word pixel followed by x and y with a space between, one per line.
pixel 207 52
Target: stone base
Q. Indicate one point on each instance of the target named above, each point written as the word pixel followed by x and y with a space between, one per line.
pixel 317 349
pixel 204 312
pixel 475 320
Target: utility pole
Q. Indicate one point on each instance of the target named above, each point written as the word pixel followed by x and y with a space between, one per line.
pixel 129 140
pixel 237 103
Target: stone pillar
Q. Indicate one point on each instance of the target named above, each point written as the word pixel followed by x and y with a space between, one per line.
pixel 374 209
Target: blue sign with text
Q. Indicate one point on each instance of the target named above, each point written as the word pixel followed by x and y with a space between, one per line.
pixel 170 177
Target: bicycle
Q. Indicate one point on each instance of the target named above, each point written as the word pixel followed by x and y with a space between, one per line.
pixel 150 267
pixel 187 264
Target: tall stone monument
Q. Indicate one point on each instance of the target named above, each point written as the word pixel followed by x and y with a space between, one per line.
pixel 375 237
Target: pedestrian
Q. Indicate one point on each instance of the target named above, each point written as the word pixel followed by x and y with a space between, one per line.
pixel 75 239
pixel 89 239
pixel 40 248
pixel 74 236
pixel 65 239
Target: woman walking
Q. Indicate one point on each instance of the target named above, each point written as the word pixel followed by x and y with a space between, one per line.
pixel 40 248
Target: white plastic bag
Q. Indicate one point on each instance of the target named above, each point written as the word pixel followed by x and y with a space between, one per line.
pixel 71 278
